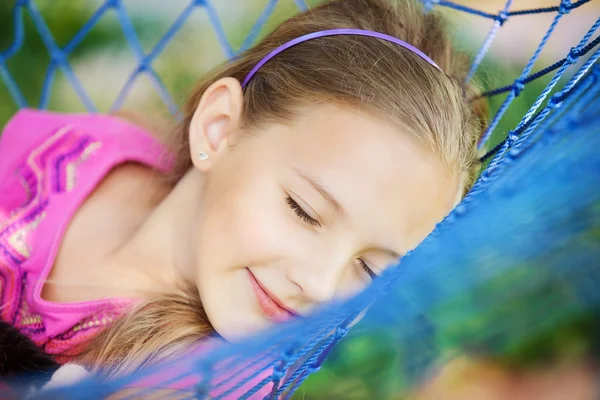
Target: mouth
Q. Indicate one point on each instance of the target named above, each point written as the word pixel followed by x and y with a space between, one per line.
pixel 270 305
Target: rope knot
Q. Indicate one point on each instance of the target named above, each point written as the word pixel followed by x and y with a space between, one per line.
pixel 512 137
pixel 555 101
pixel 277 374
pixel 460 210
pixel 514 152
pixel 144 64
pixel 312 368
pixel 502 17
pixel 58 56
pixel 113 3
pixel 288 353
pixel 573 55
pixel 565 7
pixel 518 87
pixel 485 175
pixel 340 331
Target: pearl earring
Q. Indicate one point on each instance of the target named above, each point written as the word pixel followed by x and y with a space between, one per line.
pixel 202 155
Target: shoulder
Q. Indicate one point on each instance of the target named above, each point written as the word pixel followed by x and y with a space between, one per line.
pixel 32 130
pixel 30 127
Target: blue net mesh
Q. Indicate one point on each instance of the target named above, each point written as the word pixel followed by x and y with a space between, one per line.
pixel 514 262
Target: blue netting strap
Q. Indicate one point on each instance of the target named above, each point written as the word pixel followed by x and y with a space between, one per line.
pixel 263 17
pixel 148 390
pixel 576 100
pixel 19 33
pixel 232 373
pixel 202 389
pixel 17 43
pixel 178 394
pixel 580 95
pixel 202 369
pixel 541 73
pixel 295 378
pixel 13 88
pixel 519 86
pixel 584 68
pixel 557 99
pixel 314 366
pixel 255 389
pixel 502 17
pixel 492 152
pixel 571 59
pixel 316 359
pixel 57 58
pixel 513 136
pixel 498 22
pixel 87 27
pixel 466 9
pixel 255 373
pixel 515 139
pixel 144 62
pixel 290 357
pixel 323 334
pixel 548 9
pixel 301 4
pixel 217 26
pixel 170 33
pixel 279 371
pixel 48 79
pixel 594 82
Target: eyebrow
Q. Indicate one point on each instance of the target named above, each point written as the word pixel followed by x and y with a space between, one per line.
pixel 329 197
pixel 322 190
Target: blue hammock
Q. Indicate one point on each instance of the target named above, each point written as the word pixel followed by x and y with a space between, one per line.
pixel 514 264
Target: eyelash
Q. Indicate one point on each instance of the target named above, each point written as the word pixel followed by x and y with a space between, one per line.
pixel 368 270
pixel 303 215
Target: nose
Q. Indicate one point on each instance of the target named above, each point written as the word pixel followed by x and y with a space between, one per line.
pixel 319 276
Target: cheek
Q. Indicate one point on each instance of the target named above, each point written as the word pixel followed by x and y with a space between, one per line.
pixel 247 226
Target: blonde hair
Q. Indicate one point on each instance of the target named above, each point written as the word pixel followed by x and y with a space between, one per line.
pixel 372 75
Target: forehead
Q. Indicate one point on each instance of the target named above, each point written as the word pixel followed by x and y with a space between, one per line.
pixel 392 189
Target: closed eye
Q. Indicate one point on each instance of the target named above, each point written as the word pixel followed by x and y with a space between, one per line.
pixel 367 269
pixel 299 211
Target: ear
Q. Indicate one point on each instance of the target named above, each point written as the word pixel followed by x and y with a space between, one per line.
pixel 215 123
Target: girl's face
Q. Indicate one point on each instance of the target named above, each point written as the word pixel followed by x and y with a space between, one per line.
pixel 298 214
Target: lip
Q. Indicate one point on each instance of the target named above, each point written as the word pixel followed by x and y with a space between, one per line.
pixel 270 305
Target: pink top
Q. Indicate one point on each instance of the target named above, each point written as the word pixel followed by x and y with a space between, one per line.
pixel 49 164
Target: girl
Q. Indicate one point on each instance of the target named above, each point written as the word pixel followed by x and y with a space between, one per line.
pixel 301 170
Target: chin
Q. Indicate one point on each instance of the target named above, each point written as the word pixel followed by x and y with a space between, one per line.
pixel 234 329
pixel 234 334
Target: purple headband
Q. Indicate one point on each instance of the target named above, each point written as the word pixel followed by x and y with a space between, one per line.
pixel 334 32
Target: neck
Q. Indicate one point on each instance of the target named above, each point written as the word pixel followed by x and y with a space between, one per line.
pixel 158 253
